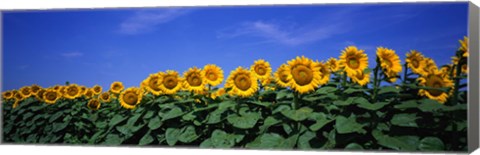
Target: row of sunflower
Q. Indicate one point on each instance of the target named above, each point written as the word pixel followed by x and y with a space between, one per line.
pixel 303 75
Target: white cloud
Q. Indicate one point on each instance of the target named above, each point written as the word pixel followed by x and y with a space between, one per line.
pixel 72 54
pixel 144 21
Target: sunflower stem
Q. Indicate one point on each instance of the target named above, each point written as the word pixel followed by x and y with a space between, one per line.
pixel 405 71
pixel 375 80
pixel 295 100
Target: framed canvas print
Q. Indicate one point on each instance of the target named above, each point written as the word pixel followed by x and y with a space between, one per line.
pixel 361 77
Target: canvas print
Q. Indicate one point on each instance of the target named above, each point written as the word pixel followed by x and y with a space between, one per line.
pixel 374 77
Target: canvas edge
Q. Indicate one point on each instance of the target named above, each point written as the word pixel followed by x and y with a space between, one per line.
pixel 473 78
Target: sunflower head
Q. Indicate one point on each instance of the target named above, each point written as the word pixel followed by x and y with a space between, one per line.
pixel 97 89
pixel 131 97
pixel 89 93
pixel 72 91
pixel 39 95
pixel 324 73
pixel 51 96
pixel 25 91
pixel 17 95
pixel 152 84
pixel 213 74
pixel 361 78
pixel 332 64
pixel 105 97
pixel 57 87
pixel 415 61
pixel 94 104
pixel 7 95
pixel 194 80
pixel 281 76
pixel 171 82
pixel 389 61
pixel 261 69
pixel 435 79
pixel 83 89
pixel 304 74
pixel 242 82
pixel 353 61
pixel 35 88
pixel 116 87
pixel 218 93
pixel 267 81
pixel 430 66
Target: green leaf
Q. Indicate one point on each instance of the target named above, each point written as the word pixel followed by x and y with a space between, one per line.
pixel 431 144
pixel 352 90
pixel 321 120
pixel 113 139
pixel 406 105
pixel 55 116
pixel 215 116
pixel 406 120
pixel 173 113
pixel 346 102
pixel 172 136
pixel 280 108
pixel 269 121
pixel 188 134
pixel 369 106
pixel 266 141
pixel 221 139
pixel 149 114
pixel 116 119
pixel 408 143
pixel 154 123
pixel 282 94
pixel 299 114
pixel 146 139
pixel 388 89
pixel 260 103
pixel 326 90
pixel 246 121
pixel 304 140
pixel 226 104
pixel 428 105
pixel 59 126
pixel 354 146
pixel 345 125
pixel 134 119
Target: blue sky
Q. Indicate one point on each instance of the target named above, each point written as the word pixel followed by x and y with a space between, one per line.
pixel 100 46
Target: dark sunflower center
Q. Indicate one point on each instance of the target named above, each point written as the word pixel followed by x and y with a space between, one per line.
pixel 130 98
pixel 435 82
pixel 211 76
pixel 194 80
pixel 302 75
pixel 170 82
pixel 97 89
pixel 154 84
pixel 117 87
pixel 105 96
pixel 51 96
pixel 353 63
pixel 26 91
pixel 242 82
pixel 72 91
pixel 94 104
pixel 415 63
pixel 260 70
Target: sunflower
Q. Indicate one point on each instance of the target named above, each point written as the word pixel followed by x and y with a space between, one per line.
pixel 105 97
pixel 97 89
pixel 430 66
pixel 324 73
pixel 435 79
pixel 7 95
pixel 116 87
pixel 446 69
pixel 213 74
pixel 218 93
pixel 361 78
pixel 51 96
pixel 242 82
pixel 194 80
pixel 62 90
pixel 152 84
pixel 89 93
pixel 304 74
pixel 265 82
pixel 72 91
pixel 332 64
pixel 18 96
pixel 353 60
pixel 131 97
pixel 464 67
pixel 415 61
pixel 261 69
pixel 464 46
pixel 35 88
pixel 39 95
pixel 26 91
pixel 57 87
pixel 390 63
pixel 83 89
pixel 94 104
pixel 281 76
pixel 171 83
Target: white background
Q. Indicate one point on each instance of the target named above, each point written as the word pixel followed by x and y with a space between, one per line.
pixel 93 150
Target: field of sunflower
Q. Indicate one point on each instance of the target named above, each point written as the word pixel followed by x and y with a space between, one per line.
pixel 304 104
